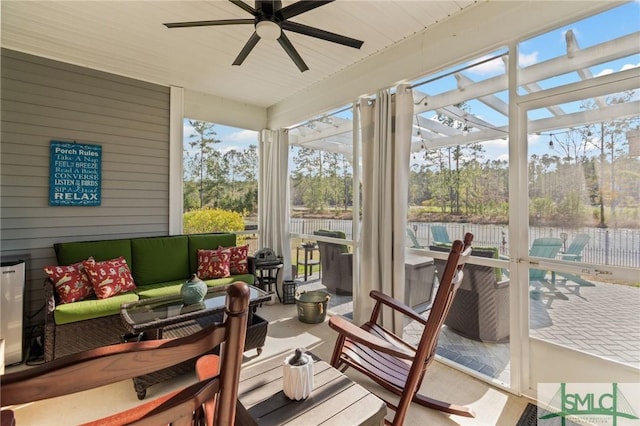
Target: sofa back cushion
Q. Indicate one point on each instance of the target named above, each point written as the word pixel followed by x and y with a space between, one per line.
pixel 489 252
pixel 69 253
pixel 159 259
pixel 207 242
pixel 340 248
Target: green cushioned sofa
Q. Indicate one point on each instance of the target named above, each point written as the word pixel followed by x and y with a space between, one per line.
pixel 159 265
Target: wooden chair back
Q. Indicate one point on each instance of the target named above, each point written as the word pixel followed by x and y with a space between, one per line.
pixel 389 360
pixel 110 364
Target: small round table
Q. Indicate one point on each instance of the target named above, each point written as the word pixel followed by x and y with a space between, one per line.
pixel 267 275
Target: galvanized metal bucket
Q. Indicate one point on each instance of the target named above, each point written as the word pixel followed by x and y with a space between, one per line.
pixel 312 306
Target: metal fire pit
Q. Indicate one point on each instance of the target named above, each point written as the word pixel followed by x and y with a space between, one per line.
pixel 312 306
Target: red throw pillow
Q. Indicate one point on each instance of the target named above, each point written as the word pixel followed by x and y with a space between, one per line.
pixel 110 277
pixel 71 282
pixel 213 263
pixel 238 260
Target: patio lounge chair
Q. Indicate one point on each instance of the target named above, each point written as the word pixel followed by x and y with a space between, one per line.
pixel 414 239
pixel 574 251
pixel 390 361
pixel 546 248
pixel 440 234
pixel 574 254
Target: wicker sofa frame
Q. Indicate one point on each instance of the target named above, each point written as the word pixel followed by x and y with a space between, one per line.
pixel 480 310
pixel 336 263
pixel 77 336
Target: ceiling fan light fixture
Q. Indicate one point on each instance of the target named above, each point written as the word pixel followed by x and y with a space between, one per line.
pixel 268 30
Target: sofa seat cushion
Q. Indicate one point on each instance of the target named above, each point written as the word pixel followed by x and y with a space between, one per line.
pixel 159 259
pixel 172 288
pixel 91 308
pixel 247 278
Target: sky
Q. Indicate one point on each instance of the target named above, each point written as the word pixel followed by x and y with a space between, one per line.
pixel 608 25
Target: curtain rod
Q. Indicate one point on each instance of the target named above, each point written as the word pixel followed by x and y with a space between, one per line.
pixel 457 70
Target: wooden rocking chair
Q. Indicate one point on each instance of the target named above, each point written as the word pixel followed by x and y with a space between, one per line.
pixel 110 364
pixel 390 361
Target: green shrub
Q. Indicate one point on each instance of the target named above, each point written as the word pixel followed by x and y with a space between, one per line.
pixel 212 220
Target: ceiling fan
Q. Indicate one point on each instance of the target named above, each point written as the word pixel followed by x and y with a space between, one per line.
pixel 270 19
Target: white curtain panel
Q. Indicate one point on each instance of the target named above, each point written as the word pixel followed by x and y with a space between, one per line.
pixel 273 194
pixel 386 148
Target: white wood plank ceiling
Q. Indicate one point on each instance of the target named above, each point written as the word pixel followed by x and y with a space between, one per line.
pixel 128 38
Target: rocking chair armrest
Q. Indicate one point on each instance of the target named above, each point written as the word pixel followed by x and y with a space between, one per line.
pixel 161 408
pixel 358 335
pixel 398 306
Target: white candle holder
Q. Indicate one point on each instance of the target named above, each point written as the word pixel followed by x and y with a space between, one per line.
pixel 297 380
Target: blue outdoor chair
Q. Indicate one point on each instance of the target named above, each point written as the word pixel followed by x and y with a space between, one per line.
pixel 440 234
pixel 546 248
pixel 414 239
pixel 574 254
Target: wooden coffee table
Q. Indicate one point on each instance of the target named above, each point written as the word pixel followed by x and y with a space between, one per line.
pixel 335 399
pixel 168 317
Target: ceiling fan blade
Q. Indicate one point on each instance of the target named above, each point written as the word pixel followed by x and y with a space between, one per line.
pixel 299 7
pixel 248 47
pixel 209 23
pixel 292 52
pixel 242 5
pixel 321 34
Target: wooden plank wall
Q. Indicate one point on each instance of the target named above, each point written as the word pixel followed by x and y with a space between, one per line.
pixel 44 100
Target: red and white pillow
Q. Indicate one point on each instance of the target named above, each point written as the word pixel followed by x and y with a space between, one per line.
pixel 213 264
pixel 70 281
pixel 238 261
pixel 109 277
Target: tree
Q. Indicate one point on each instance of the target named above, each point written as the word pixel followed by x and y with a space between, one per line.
pixel 205 137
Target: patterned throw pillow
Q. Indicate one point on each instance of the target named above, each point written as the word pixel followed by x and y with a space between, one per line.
pixel 213 263
pixel 238 260
pixel 110 277
pixel 71 282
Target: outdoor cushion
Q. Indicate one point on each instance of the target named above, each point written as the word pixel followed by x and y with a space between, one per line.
pixel 488 252
pixel 91 308
pixel 238 263
pixel 209 242
pixel 159 259
pixel 172 288
pixel 68 253
pixel 71 282
pixel 110 277
pixel 213 263
pixel 334 234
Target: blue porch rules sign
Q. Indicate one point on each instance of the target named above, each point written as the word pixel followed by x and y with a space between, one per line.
pixel 75 174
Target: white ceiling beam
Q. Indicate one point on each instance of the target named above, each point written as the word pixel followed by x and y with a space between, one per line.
pixel 492 101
